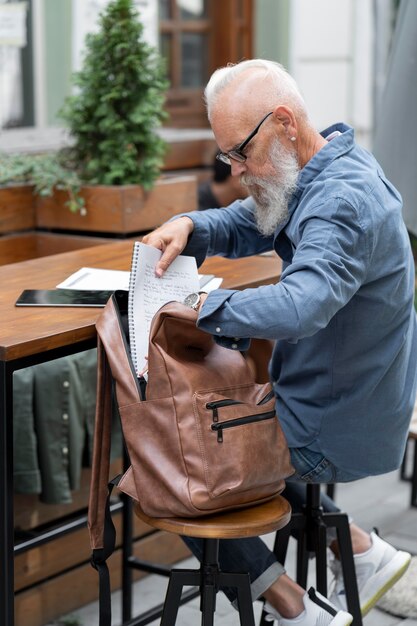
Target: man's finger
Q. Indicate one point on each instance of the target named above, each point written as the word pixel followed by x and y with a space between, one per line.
pixel 164 262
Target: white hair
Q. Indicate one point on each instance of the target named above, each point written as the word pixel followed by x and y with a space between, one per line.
pixel 280 87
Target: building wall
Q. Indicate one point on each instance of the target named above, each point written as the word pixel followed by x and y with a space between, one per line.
pixel 329 53
pixel 328 46
pixel 271 30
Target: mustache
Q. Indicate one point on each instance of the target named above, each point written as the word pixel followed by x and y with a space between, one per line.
pixel 248 179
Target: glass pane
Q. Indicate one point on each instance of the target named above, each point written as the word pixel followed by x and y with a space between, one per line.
pixel 11 110
pixel 16 81
pixel 192 9
pixel 165 43
pixel 165 9
pixel 194 60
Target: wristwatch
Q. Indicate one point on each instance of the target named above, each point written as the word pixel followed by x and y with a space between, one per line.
pixel 193 300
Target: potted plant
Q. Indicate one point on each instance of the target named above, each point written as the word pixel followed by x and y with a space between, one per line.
pixel 116 153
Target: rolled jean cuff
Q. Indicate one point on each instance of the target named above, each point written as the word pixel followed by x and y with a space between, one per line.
pixel 264 581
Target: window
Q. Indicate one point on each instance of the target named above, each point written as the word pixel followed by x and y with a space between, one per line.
pixel 196 37
pixel 16 74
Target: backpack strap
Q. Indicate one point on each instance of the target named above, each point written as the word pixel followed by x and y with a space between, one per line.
pixel 100 524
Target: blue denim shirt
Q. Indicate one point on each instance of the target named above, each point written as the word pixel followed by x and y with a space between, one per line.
pixel 344 363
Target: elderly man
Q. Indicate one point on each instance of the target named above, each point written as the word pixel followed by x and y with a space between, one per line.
pixel 344 365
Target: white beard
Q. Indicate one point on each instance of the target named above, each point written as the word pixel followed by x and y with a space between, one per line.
pixel 272 194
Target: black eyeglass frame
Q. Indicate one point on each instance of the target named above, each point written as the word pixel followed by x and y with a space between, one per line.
pixel 237 153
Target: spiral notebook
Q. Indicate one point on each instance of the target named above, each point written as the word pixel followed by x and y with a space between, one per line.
pixel 147 294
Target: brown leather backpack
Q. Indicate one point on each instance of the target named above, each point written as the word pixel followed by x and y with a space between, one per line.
pixel 206 438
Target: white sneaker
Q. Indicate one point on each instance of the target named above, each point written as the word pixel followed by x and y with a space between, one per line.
pixel 318 611
pixel 377 570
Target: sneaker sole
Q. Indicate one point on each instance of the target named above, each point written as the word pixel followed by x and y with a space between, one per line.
pixel 341 619
pixel 401 562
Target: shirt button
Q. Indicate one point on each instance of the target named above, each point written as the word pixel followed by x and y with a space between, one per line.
pixel 65 450
pixel 65 417
pixel 218 329
pixel 234 346
pixel 66 384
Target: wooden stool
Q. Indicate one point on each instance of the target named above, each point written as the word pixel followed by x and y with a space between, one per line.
pixel 412 435
pixel 249 522
pixel 311 527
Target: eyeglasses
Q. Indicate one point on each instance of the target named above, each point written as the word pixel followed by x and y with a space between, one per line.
pixel 237 153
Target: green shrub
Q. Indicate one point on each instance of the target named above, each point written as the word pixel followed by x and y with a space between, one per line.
pixel 119 103
pixel 112 118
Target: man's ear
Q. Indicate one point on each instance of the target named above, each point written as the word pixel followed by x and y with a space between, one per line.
pixel 285 116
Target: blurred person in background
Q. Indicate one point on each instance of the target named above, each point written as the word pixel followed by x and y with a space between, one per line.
pixel 221 189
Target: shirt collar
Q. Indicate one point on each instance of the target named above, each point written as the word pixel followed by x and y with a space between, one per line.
pixel 336 147
pixel 339 145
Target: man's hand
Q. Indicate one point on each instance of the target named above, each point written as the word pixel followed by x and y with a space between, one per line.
pixel 171 238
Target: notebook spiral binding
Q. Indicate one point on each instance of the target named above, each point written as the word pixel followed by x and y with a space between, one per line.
pixel 130 306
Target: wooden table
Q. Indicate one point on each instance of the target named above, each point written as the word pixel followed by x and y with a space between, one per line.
pixel 30 335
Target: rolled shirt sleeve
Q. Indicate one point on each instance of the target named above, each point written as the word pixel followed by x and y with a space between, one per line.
pixel 327 269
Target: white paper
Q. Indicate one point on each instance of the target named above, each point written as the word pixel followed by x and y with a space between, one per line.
pixel 93 278
pixel 213 284
pixel 149 293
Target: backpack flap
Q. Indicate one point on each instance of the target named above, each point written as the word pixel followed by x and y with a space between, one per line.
pixel 184 358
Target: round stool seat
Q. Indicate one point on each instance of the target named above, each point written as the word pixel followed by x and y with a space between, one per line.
pixel 251 521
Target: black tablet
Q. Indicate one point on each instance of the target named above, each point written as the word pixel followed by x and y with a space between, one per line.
pixel 63 297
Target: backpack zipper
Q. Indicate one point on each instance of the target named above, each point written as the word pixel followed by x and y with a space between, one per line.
pixel 218 404
pixel 239 421
pixel 266 398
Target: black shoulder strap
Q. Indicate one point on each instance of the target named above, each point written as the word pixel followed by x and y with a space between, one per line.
pixel 99 557
pixel 101 528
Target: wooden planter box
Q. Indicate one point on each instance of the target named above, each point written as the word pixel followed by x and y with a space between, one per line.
pixel 17 208
pixel 33 245
pixel 120 209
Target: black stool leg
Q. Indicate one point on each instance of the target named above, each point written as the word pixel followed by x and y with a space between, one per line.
pixel 177 580
pixel 314 540
pixel 312 526
pixel 209 578
pixel 403 468
pixel 321 558
pixel 302 560
pixel 241 582
pixel 127 552
pixel 414 477
pixel 330 490
pixel 340 521
pixel 209 581
pixel 207 605
pixel 280 549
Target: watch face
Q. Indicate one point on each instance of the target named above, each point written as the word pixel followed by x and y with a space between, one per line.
pixel 192 300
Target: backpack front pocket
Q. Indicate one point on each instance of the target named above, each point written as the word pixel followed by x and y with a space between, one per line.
pixel 239 438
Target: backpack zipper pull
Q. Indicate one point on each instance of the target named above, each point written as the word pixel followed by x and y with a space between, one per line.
pixel 213 407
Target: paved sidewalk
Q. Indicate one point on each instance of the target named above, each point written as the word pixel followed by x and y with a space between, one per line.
pixel 381 501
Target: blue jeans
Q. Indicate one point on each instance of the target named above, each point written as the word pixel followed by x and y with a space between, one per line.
pixel 251 554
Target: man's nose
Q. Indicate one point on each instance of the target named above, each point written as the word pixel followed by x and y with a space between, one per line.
pixel 238 168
